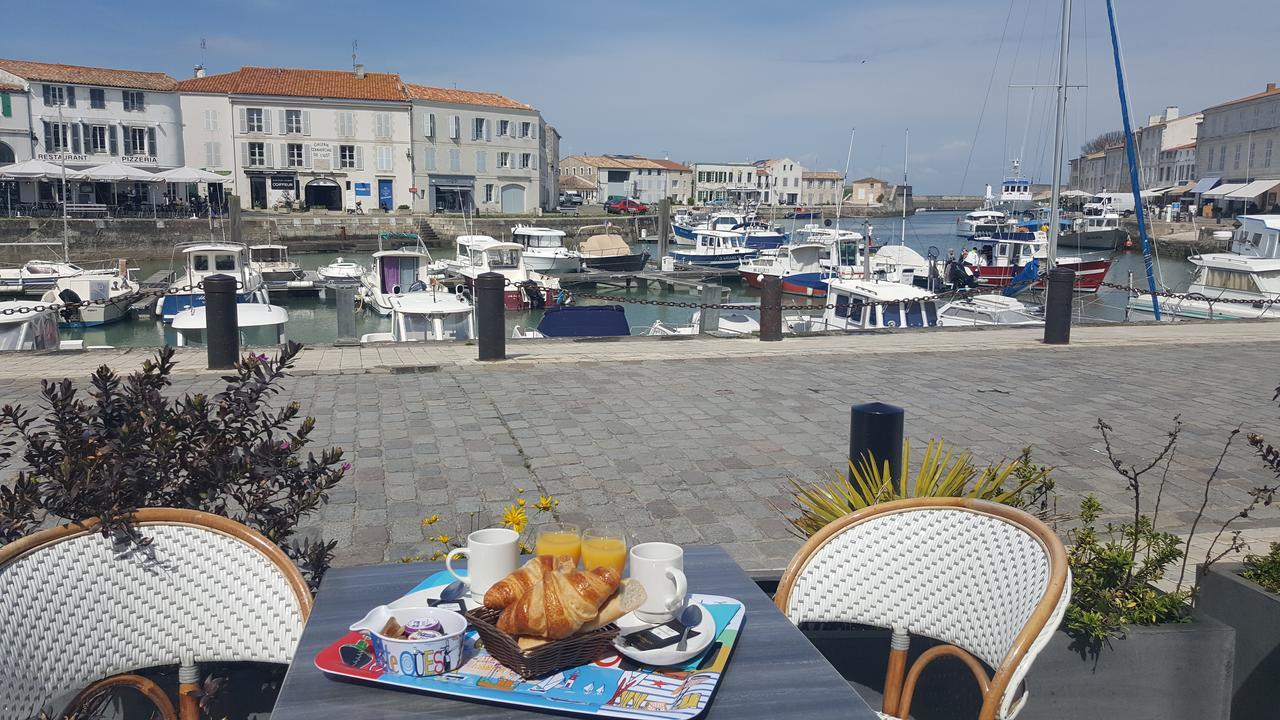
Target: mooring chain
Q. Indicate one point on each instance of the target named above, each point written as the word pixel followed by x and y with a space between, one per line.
pixel 1135 292
pixel 130 298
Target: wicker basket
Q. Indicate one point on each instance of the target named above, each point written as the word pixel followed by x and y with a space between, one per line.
pixel 556 655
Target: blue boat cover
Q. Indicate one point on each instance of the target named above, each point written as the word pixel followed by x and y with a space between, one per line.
pixel 1027 275
pixel 585 321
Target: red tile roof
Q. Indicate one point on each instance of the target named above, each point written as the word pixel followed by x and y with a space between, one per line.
pixel 1270 90
pixel 295 82
pixel 672 165
pixel 6 87
pixel 462 97
pixel 80 75
pixel 628 162
pixel 822 175
pixel 574 182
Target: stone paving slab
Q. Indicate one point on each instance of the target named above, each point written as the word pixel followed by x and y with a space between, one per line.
pixel 696 441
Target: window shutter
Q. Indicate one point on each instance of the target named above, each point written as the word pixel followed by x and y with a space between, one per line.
pixel 151 142
pixel 431 124
pixel 488 131
pixel 48 137
pixel 455 127
pixel 306 125
pixel 266 122
pixel 128 140
pixel 283 127
pixel 267 160
pixel 75 138
pixel 244 123
pixel 141 99
pixel 244 154
pixel 208 154
pixel 47 100
pixel 111 132
pixel 6 107
pixel 306 155
pixel 480 161
pixel 71 96
pixel 533 159
pixel 431 160
pixel 359 157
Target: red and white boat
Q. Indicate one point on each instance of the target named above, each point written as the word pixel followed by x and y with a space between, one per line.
pixel 1003 256
pixel 526 289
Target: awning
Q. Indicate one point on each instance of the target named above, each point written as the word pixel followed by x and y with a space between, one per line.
pixel 1224 190
pixel 1180 190
pixel 1253 190
pixel 1205 185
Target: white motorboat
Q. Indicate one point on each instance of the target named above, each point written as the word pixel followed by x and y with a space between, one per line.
pixel 799 266
pixel 850 308
pixel 203 259
pixel 273 263
pixel 715 248
pixel 544 249
pixel 341 270
pixel 427 315
pixel 730 322
pixel 34 277
pixel 31 325
pixel 192 322
pixel 1015 191
pixel 984 221
pixel 685 227
pixel 987 310
pixel 397 271
pixel 1250 272
pixel 110 297
pixel 525 288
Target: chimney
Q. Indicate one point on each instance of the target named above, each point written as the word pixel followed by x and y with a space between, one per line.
pixel 1153 120
pixel 1171 112
pixel 359 71
pixel 199 71
pixel 1271 87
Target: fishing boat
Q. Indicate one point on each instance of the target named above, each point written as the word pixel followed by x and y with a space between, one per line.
pixel 525 288
pixel 1005 256
pixel 607 250
pixel 1250 272
pixel 341 270
pixel 111 297
pixel 403 269
pixel 851 307
pixel 799 265
pixel 715 248
pixel 29 325
pixel 202 259
pixel 273 263
pixel 986 220
pixel 428 315
pixel 1015 191
pixel 759 236
pixel 544 249
pixel 683 231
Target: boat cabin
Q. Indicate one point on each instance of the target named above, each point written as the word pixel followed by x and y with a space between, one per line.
pixel 1257 236
pixel 431 315
pixel 1010 249
pixel 215 259
pixel 725 221
pixel 28 328
pixel 399 270
pixel 852 309
pixel 269 255
pixel 987 310
pixel 481 253
pixel 718 240
pixel 537 237
pixel 192 323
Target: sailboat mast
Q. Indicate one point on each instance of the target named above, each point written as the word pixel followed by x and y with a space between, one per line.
pixel 1055 198
pixel 906 144
pixel 62 143
pixel 1132 156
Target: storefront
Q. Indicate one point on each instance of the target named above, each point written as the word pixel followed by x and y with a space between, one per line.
pixel 452 193
pixel 268 189
pixel 323 193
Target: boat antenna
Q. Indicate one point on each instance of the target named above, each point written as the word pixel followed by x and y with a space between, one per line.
pixel 1133 161
pixel 848 156
pixel 906 143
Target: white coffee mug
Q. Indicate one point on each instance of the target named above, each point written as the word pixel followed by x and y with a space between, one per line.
pixel 659 568
pixel 491 555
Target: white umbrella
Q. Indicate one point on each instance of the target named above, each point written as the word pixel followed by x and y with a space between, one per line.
pixel 36 170
pixel 191 175
pixel 116 171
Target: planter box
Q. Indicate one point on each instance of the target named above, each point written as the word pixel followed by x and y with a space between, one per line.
pixel 1255 615
pixel 1165 672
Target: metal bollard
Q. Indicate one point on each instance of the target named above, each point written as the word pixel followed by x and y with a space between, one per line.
pixel 491 319
pixel 710 319
pixel 222 333
pixel 771 309
pixel 345 298
pixel 1057 306
pixel 875 432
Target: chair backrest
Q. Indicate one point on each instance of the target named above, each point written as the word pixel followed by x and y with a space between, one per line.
pixel 77 608
pixel 987 578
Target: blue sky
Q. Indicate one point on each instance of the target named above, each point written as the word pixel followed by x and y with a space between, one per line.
pixel 725 81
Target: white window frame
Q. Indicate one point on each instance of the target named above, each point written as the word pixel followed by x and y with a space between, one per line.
pixel 249 119
pixel 288 153
pixel 137 148
pixel 526 161
pixel 524 129
pixel 455 127
pixel 290 127
pixel 57 95
pixel 477 128
pixel 345 163
pixel 261 159
pixel 504 128
pixel 134 100
pixel 504 159
pixel 93 147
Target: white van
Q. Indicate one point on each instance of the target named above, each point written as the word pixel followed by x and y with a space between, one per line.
pixel 1119 202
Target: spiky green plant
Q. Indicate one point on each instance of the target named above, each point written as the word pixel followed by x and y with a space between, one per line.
pixel 942 472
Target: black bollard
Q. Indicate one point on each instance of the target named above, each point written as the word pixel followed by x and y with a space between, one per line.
pixel 491 318
pixel 875 431
pixel 221 334
pixel 771 308
pixel 1057 306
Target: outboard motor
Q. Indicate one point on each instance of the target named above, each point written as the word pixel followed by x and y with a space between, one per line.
pixel 72 298
pixel 537 299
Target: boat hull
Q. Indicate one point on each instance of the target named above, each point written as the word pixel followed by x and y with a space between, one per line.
pixel 96 315
pixel 618 263
pixel 708 260
pixel 1089 275
pixel 682 233
pixel 171 305
pixel 803 284
pixel 1108 239
pixel 1190 309
pixel 551 263
pixel 282 276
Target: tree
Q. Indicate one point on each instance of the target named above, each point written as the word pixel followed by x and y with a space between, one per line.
pixel 1103 141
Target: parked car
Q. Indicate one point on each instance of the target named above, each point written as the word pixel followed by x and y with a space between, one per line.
pixel 626 206
pixel 570 198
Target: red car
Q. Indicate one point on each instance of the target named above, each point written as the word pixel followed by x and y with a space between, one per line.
pixel 626 206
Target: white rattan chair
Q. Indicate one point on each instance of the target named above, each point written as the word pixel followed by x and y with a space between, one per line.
pixel 990 581
pixel 76 608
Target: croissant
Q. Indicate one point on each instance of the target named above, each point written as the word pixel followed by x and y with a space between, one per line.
pixel 512 587
pixel 560 603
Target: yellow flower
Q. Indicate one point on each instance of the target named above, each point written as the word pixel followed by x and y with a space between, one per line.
pixel 520 502
pixel 525 549
pixel 515 518
pixel 437 556
pixel 519 490
pixel 544 503
pixel 431 520
pixel 444 539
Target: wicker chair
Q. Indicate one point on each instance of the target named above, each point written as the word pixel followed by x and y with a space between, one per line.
pixel 76 608
pixel 989 580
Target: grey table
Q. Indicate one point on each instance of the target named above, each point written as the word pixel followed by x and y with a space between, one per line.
pixel 774 671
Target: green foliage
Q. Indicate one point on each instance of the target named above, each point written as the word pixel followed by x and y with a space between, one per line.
pixel 940 473
pixel 1113 572
pixel 128 446
pixel 1264 569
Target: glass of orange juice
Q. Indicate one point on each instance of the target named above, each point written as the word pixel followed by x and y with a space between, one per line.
pixel 557 540
pixel 604 547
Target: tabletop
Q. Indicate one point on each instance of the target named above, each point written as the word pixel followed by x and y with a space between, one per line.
pixel 774 671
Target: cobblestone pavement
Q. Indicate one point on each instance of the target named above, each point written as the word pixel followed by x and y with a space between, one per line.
pixel 702 450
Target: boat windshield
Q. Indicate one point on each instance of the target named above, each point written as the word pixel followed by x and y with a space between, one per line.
pixel 539 241
pixel 11 336
pixel 508 258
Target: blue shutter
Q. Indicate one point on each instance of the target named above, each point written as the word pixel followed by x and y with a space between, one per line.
pixel 151 142
pixel 111 132
pixel 127 134
pixel 47 100
pixel 48 133
pixel 75 138
pixel 71 96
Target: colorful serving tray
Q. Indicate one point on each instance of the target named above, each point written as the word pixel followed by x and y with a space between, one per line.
pixel 613 686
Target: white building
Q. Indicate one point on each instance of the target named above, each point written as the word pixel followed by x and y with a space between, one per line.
pixel 15 120
pixel 821 188
pixel 476 149
pixel 333 138
pixel 781 181
pixel 631 176
pixel 1166 149
pixel 728 182
pixel 86 116
pixel 1239 144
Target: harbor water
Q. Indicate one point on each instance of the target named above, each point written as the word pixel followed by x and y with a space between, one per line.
pixel 312 319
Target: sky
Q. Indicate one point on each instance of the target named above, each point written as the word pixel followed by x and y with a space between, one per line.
pixel 728 81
